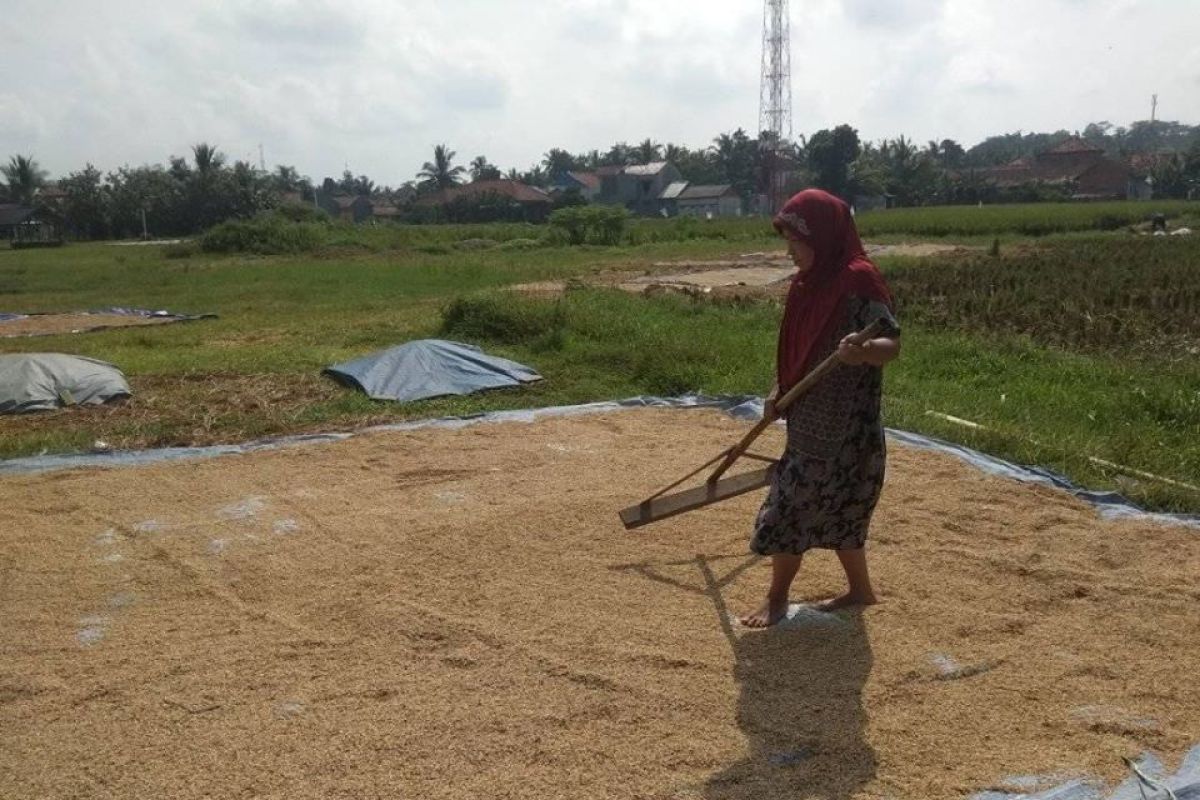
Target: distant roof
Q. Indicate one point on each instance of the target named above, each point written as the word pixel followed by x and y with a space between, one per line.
pixel 520 192
pixel 385 211
pixel 706 192
pixel 1073 146
pixel 673 190
pixel 589 179
pixel 610 170
pixel 653 168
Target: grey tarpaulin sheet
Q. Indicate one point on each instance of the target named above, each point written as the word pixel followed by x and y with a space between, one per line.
pixel 1184 784
pixel 45 381
pixel 112 311
pixel 1108 504
pixel 430 368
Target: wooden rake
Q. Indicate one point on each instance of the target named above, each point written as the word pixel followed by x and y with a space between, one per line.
pixel 661 505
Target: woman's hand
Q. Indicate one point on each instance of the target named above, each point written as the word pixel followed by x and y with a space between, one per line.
pixel 875 352
pixel 769 410
pixel 850 353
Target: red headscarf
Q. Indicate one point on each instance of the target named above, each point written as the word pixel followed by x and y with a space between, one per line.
pixel 816 300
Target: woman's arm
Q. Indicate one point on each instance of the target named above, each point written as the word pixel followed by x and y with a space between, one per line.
pixel 875 352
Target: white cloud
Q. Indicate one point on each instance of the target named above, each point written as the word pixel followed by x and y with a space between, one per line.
pixel 374 84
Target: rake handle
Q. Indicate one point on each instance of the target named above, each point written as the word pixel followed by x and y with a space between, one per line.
pixel 809 380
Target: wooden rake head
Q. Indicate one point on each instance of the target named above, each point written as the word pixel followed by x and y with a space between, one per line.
pixel 661 505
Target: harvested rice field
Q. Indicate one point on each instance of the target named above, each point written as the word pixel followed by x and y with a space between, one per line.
pixel 53 324
pixel 459 614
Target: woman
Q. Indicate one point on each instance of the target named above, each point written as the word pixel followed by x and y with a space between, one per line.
pixel 829 478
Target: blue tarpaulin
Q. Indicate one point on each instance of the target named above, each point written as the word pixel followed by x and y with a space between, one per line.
pixel 430 368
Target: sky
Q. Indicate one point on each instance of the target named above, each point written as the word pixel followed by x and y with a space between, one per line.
pixel 373 85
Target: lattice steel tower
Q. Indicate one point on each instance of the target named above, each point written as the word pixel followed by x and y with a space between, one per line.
pixel 775 97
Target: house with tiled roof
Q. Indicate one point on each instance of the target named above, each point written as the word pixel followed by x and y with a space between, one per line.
pixel 534 203
pixel 1083 170
pixel 586 183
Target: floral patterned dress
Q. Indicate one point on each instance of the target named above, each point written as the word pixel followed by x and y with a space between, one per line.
pixel 828 481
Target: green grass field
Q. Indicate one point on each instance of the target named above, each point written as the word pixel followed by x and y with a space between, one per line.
pixel 1050 389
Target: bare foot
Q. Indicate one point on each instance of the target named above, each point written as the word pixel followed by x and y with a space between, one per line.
pixel 771 612
pixel 847 600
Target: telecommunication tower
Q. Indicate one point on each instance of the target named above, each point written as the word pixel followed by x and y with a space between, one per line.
pixel 775 98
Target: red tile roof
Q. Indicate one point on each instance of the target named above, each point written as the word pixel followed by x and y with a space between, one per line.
pixel 1073 146
pixel 589 179
pixel 520 192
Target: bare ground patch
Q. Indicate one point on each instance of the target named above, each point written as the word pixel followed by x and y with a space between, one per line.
pixel 51 324
pixel 458 614
pixel 751 276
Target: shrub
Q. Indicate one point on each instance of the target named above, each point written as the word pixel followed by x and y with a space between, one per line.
pixel 591 224
pixel 432 249
pixel 521 244
pixel 180 250
pixel 509 319
pixel 475 244
pixel 303 213
pixel 265 234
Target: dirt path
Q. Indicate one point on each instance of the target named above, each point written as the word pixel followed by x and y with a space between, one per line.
pixel 753 275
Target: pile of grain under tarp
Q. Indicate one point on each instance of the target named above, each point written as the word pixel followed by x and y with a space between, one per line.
pixel 458 614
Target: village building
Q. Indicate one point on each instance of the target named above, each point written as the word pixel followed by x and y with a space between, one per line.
pixel 638 187
pixel 1083 170
pixel 709 201
pixel 532 203
pixel 29 226
pixel 586 183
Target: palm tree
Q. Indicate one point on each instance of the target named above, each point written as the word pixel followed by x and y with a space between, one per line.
pixel 439 173
pixel 535 176
pixel 557 162
pixel 24 178
pixel 648 151
pixel 619 155
pixel 286 178
pixel 483 170
pixel 208 159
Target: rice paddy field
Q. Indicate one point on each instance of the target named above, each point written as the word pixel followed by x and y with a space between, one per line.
pixel 458 613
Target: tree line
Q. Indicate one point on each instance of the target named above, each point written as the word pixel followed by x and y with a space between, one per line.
pixel 188 195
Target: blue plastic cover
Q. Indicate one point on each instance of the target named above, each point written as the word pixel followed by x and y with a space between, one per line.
pixel 430 368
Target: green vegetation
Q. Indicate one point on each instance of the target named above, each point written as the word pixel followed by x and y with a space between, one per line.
pixel 591 224
pixel 1101 295
pixel 1026 219
pixel 1063 348
pixel 265 234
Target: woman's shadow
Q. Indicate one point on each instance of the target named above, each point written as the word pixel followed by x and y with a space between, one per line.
pixel 800 706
